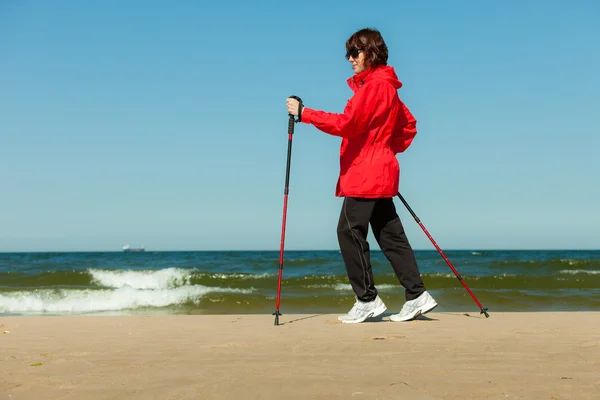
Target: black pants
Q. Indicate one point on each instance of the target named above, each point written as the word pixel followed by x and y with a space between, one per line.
pixel 352 231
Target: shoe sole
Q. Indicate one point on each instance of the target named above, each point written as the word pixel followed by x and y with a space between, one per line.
pixel 376 313
pixel 417 314
pixel 430 309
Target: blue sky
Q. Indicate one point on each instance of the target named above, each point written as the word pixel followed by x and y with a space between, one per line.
pixel 163 124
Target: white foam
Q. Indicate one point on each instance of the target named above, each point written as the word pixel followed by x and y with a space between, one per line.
pixel 241 276
pixel 573 261
pixel 579 271
pixel 442 275
pixel 123 298
pixel 346 286
pixel 146 279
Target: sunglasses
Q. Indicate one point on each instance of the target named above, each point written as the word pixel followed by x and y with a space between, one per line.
pixel 353 52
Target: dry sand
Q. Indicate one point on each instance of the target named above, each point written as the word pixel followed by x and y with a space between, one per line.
pixel 444 356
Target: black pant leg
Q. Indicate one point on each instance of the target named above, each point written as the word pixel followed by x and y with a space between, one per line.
pixel 392 240
pixel 352 230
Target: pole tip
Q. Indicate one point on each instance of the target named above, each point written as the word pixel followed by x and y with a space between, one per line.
pixel 276 314
pixel 484 311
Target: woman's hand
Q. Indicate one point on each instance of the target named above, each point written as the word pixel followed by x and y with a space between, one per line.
pixel 292 106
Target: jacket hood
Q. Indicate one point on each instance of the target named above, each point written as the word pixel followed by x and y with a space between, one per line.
pixel 381 72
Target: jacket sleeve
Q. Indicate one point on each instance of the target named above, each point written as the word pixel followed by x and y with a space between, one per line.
pixel 406 131
pixel 357 115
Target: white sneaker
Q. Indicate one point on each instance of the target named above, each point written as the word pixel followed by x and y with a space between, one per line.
pixel 413 308
pixel 361 311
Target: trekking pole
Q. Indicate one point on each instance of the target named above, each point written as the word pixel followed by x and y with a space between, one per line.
pixel 285 201
pixel 483 310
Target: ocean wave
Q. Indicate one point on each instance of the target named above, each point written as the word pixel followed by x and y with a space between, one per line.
pixel 579 271
pixel 147 279
pixel 96 300
pixel 236 275
pixel 440 275
pixel 172 278
pixel 572 261
pixel 347 287
pixel 553 263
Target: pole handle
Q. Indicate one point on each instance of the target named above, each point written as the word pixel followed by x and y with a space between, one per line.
pixel 300 107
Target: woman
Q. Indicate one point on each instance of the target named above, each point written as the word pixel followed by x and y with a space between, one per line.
pixel 375 126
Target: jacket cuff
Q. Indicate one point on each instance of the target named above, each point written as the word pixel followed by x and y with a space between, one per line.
pixel 306 115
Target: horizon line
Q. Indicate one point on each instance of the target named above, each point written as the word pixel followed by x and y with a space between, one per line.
pixel 289 250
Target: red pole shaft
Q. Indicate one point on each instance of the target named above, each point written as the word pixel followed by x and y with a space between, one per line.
pixel 281 250
pixel 483 310
pixel 285 202
pixel 450 265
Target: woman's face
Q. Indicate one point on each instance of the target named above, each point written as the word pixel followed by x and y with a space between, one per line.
pixel 357 59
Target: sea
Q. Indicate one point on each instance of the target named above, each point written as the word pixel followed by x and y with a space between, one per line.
pixel 245 282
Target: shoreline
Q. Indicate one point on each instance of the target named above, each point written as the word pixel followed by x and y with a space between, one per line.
pixel 443 355
pixel 332 313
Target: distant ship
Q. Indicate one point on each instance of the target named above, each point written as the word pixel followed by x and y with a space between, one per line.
pixel 128 249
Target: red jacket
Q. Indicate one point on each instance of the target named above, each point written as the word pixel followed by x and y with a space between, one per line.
pixel 375 126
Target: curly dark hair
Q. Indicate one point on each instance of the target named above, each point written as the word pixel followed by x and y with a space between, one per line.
pixel 371 43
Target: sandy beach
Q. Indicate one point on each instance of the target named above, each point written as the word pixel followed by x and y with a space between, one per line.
pixel 441 356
